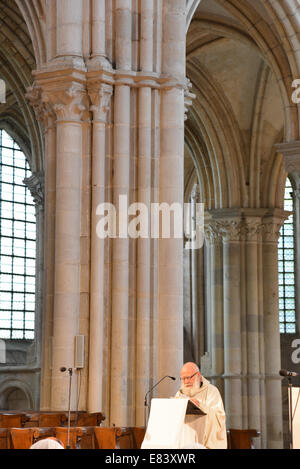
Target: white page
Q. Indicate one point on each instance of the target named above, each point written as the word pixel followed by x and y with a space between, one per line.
pixel 165 424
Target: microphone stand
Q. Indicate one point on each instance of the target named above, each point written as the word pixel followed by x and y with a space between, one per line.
pixel 290 387
pixel 70 370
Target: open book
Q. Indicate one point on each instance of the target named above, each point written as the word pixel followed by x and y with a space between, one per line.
pixel 193 409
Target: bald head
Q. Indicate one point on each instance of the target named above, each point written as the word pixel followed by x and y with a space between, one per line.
pixel 190 378
pixel 190 367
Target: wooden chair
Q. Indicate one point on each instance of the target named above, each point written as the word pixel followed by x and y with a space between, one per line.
pixel 12 420
pixel 23 438
pixel 89 420
pixel 4 439
pixel 52 420
pixel 76 434
pixel 132 437
pixel 241 439
pixel 107 438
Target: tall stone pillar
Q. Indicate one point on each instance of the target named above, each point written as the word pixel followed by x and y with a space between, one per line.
pixel 231 233
pixel 69 40
pixel 215 318
pixel 253 327
pixel 66 97
pixel 271 231
pixel 46 117
pixel 100 95
pixel 171 190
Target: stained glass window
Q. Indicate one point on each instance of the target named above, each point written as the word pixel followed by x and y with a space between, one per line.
pixel 286 267
pixel 17 244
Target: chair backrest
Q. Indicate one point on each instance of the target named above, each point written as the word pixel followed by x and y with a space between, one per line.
pixel 52 420
pixel 241 439
pixel 23 438
pixel 12 420
pixel 107 438
pixel 4 439
pixel 132 437
pixel 75 435
pixel 89 420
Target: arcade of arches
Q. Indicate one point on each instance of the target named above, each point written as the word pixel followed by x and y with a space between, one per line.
pixel 161 101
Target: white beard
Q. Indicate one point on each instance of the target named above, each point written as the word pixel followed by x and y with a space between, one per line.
pixel 190 392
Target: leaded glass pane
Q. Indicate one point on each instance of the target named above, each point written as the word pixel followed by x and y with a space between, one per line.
pixel 286 268
pixel 17 244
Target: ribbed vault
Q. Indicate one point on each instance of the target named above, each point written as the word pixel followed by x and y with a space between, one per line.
pixel 244 168
pixel 18 58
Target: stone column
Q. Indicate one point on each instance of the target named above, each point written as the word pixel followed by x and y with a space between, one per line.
pixel 253 330
pixel 67 98
pixel 231 233
pixel 122 323
pixel 46 117
pixel 271 230
pixel 69 30
pixel 100 95
pixel 99 56
pixel 171 190
pixel 214 313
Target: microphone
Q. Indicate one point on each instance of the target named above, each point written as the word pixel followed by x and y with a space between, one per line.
pixel 288 373
pixel 170 377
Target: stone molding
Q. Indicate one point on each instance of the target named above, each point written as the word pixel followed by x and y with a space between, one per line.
pixel 36 185
pixel 246 226
pixel 291 155
pixel 43 110
pixel 188 98
pixel 70 94
pixel 100 95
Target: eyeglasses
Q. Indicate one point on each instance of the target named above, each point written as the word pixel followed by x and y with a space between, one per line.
pixel 188 378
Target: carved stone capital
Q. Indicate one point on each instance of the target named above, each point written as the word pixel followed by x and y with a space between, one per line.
pixel 272 225
pixel 252 229
pixel 212 233
pixel 36 185
pixel 43 111
pixel 69 104
pixel 271 231
pixel 100 95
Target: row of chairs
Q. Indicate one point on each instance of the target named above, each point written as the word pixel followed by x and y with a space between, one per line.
pixel 79 437
pixel 49 419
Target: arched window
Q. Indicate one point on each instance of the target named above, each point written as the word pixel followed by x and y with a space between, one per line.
pixel 286 257
pixel 17 244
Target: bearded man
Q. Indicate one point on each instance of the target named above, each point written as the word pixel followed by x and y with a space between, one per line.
pixel 209 428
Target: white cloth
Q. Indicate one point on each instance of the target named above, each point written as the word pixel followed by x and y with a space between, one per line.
pixel 210 429
pixel 46 443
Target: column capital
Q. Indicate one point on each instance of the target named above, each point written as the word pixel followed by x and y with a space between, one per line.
pixel 291 155
pixel 272 224
pixel 100 95
pixel 36 185
pixel 63 92
pixel 43 111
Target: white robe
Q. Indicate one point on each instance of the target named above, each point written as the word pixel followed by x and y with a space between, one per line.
pixel 210 429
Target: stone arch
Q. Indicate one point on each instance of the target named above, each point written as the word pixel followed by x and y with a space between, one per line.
pixel 266 28
pixel 17 61
pixel 21 391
